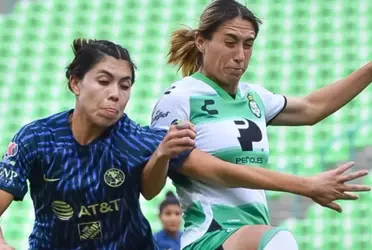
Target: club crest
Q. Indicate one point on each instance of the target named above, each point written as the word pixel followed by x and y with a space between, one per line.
pixel 254 106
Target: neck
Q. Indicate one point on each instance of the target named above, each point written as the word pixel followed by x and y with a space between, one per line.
pixel 83 130
pixel 230 88
pixel 173 234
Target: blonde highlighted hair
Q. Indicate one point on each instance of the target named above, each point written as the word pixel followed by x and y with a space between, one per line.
pixel 183 51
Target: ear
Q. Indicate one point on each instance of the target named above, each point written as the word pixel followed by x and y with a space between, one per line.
pixel 200 42
pixel 75 85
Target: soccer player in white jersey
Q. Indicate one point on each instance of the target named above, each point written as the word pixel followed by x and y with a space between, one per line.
pixel 221 210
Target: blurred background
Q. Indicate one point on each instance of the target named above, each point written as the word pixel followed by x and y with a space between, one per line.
pixel 302 45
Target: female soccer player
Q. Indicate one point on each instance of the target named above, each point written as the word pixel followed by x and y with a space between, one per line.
pixel 87 166
pixel 223 206
pixel 170 216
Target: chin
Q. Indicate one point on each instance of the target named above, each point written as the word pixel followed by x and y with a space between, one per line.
pixel 104 122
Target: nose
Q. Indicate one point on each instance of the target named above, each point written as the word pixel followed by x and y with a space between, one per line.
pixel 239 54
pixel 114 93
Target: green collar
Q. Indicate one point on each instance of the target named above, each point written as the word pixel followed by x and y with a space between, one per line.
pixel 216 87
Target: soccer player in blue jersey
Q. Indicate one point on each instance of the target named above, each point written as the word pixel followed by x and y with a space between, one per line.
pixel 87 166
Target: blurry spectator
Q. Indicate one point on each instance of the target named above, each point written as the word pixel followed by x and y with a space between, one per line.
pixel 170 216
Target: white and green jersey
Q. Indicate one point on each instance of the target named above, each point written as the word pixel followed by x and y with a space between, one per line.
pixel 232 129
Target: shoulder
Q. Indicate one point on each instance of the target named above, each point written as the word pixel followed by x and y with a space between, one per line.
pixel 159 235
pixel 42 126
pixel 186 87
pixel 131 129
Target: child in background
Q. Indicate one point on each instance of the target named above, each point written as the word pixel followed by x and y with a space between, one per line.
pixel 170 216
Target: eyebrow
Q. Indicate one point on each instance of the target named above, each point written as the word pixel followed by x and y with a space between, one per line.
pixel 125 78
pixel 236 38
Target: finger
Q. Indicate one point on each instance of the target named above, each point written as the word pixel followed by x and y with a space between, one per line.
pixel 182 126
pixel 348 196
pixel 179 125
pixel 353 176
pixel 185 125
pixel 334 206
pixel 180 134
pixel 356 188
pixel 345 167
pixel 183 142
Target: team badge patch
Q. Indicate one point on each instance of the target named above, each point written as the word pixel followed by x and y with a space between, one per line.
pixel 114 177
pixel 12 150
pixel 254 106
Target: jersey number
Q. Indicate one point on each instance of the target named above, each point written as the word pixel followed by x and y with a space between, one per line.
pixel 249 133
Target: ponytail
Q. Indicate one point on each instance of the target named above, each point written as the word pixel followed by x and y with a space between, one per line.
pixel 183 51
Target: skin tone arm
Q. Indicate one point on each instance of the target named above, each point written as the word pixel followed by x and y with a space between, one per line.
pixel 323 188
pixel 178 139
pixel 323 102
pixel 5 200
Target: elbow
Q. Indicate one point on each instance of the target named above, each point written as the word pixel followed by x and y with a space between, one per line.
pixel 312 121
pixel 150 192
pixel 149 195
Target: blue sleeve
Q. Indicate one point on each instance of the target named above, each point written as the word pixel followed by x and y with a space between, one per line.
pixel 16 163
pixel 157 135
pixel 177 162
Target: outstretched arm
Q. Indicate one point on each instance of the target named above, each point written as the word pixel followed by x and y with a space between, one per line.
pixel 325 101
pixel 323 188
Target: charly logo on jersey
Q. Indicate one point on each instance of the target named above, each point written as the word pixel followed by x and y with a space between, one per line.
pixel 210 110
pixel 90 230
pixel 254 106
pixel 114 177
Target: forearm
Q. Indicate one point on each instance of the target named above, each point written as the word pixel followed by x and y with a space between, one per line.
pixel 154 175
pixel 261 178
pixel 332 97
pixel 207 168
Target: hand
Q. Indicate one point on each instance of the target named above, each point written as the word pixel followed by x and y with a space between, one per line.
pixel 179 138
pixel 331 185
pixel 3 245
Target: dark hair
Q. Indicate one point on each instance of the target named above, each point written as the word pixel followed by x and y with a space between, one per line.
pixel 89 52
pixel 170 199
pixel 183 51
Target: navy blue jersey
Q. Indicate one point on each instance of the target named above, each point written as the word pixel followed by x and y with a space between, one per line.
pixel 85 197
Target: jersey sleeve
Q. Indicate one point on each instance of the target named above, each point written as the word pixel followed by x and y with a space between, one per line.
pixel 154 137
pixel 274 103
pixel 170 109
pixel 17 162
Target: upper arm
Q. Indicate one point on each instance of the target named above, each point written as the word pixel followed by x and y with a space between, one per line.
pixel 17 162
pixel 287 111
pixel 298 111
pixel 5 200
